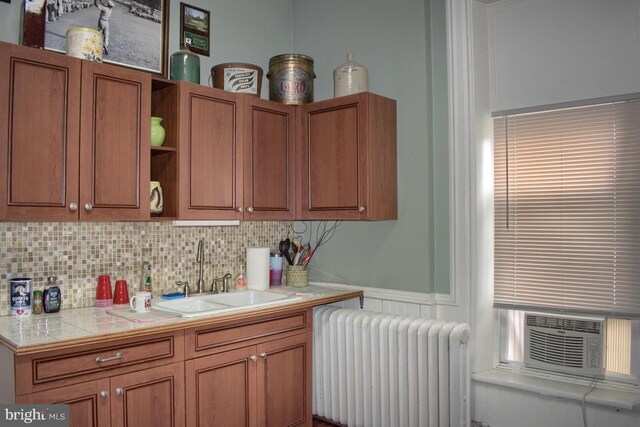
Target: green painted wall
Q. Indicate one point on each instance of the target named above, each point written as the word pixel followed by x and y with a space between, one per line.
pixel 391 39
pixel 440 133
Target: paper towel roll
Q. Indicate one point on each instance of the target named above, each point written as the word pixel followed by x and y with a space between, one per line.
pixel 258 268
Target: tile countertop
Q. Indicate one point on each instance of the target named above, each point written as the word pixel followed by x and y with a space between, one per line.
pixel 80 325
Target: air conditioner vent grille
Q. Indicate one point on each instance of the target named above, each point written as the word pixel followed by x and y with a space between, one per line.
pixel 565 324
pixel 557 350
pixel 565 343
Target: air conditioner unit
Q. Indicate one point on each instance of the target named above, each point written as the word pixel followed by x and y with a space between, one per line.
pixel 565 343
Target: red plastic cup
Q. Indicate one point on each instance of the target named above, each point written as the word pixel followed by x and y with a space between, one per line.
pixel 103 291
pixel 121 293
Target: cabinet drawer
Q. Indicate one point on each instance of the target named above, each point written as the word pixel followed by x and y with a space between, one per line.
pixel 45 370
pixel 201 341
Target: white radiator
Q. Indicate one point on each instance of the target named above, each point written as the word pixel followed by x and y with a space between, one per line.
pixel 381 370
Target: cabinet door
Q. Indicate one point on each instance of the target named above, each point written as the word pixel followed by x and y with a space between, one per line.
pixel 284 382
pixel 88 402
pixel 211 153
pixel 269 166
pixel 39 134
pixel 221 389
pixel 115 140
pixel 334 159
pixel 149 398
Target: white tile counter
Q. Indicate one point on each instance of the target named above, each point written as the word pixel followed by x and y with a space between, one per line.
pixel 68 326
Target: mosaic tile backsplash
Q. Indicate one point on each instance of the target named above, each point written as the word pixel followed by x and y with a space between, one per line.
pixel 78 252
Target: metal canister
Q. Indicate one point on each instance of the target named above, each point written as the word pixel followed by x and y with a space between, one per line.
pixel 20 297
pixel 85 43
pixel 291 79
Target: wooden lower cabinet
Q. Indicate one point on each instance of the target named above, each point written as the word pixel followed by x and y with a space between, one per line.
pixel 89 404
pixel 268 384
pixel 150 397
pixel 284 382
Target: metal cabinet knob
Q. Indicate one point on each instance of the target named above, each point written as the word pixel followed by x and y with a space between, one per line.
pixel 104 394
pixel 240 209
pixel 73 206
pixel 119 391
pixel 88 207
pixel 253 358
pixel 263 355
pixel 361 209
pixel 250 209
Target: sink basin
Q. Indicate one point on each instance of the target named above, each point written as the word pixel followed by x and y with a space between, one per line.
pixel 188 305
pixel 204 305
pixel 237 299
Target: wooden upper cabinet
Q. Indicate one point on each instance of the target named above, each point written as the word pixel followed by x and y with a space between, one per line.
pixel 115 141
pixel 74 137
pixel 211 154
pixel 269 160
pixel 39 134
pixel 348 159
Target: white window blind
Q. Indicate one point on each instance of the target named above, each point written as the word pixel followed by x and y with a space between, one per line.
pixel 567 210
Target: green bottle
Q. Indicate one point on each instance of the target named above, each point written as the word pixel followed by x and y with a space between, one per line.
pixel 184 65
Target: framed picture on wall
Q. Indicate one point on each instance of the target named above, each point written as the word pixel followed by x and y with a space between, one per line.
pixel 194 28
pixel 135 32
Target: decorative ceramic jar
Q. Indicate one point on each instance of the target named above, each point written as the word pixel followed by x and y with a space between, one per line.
pixel 184 65
pixel 350 78
pixel 157 132
pixel 85 43
pixel 156 197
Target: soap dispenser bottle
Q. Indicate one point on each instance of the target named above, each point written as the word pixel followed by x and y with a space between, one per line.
pixel 52 296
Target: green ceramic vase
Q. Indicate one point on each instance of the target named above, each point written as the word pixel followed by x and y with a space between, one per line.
pixel 157 132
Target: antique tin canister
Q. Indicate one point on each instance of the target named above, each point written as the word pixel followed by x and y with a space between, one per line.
pixel 237 77
pixel 85 43
pixel 20 297
pixel 291 79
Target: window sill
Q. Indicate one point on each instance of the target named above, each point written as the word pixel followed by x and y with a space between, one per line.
pixel 627 400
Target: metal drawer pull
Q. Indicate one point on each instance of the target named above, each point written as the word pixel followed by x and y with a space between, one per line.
pixel 263 355
pixel 119 391
pixel 73 206
pixel 254 358
pixel 88 207
pixel 104 394
pixel 109 359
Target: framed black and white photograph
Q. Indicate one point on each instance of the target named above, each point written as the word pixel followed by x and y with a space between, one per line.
pixel 135 31
pixel 194 28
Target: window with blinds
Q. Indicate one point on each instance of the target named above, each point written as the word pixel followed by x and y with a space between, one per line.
pixel 567 210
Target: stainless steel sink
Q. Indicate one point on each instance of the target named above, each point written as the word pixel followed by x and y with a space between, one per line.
pixel 203 305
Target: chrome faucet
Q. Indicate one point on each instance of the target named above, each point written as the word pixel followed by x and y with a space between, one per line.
pixel 224 281
pixel 186 290
pixel 200 259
